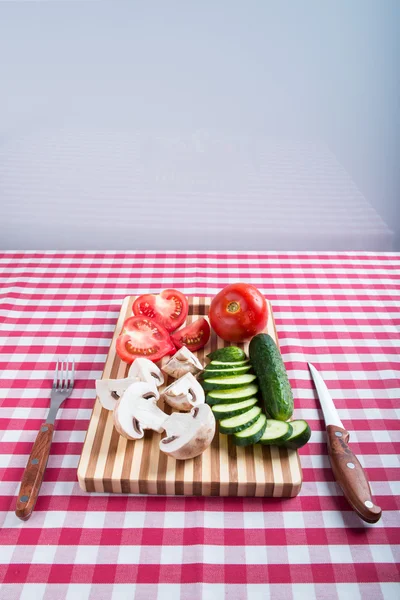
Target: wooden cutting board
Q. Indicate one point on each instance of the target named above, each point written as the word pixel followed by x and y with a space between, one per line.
pixel 110 463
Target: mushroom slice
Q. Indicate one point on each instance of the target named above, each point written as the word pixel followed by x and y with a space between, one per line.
pixel 137 410
pixel 110 390
pixel 142 369
pixel 183 362
pixel 188 435
pixel 184 393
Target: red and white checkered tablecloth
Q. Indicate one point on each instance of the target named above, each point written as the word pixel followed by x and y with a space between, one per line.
pixel 342 311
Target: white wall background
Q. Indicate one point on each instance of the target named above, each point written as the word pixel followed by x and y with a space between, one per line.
pixel 118 120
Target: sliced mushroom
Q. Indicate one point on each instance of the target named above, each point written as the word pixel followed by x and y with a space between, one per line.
pixel 142 369
pixel 184 393
pixel 181 363
pixel 110 390
pixel 137 410
pixel 188 435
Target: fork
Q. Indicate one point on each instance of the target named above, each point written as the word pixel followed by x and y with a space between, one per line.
pixel 34 471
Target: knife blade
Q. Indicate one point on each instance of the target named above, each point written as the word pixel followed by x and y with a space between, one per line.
pixel 346 467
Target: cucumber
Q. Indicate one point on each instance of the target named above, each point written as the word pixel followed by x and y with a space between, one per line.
pixel 227 383
pixel 239 422
pixel 276 432
pixel 301 433
pixel 251 435
pixel 226 372
pixel 232 395
pixel 272 377
pixel 227 354
pixel 217 365
pixel 231 409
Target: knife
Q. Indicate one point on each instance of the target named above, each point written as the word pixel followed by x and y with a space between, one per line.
pixel 346 467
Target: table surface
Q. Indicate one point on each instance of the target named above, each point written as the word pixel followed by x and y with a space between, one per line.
pixel 341 311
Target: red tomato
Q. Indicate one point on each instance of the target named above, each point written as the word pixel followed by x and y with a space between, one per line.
pixel 238 312
pixel 143 338
pixel 170 308
pixel 194 336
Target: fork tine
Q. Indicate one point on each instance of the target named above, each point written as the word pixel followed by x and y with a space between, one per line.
pixel 60 375
pixel 64 374
pixel 65 377
pixel 73 373
pixel 55 381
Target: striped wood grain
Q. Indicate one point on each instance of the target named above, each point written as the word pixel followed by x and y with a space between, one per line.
pixel 110 463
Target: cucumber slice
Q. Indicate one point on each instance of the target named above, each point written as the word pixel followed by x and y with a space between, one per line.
pixel 227 383
pixel 231 409
pixel 217 364
pixel 301 433
pixel 227 354
pixel 232 395
pixel 226 372
pixel 275 432
pixel 251 434
pixel 235 424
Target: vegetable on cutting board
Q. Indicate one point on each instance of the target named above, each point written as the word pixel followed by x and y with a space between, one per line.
pixel 230 372
pixel 238 312
pixel 276 432
pixel 137 410
pixel 110 390
pixel 240 422
pixel 231 395
pixel 184 393
pixel 231 409
pixel 169 308
pixel 300 435
pixel 182 362
pixel 272 377
pixel 251 435
pixel 217 365
pixel 227 383
pixel 227 355
pixel 143 369
pixel 142 337
pixel 188 434
pixel 236 406
pixel 193 336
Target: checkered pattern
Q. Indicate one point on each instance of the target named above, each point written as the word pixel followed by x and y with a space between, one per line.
pixel 341 311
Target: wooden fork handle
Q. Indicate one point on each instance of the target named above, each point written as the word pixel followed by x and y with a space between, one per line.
pixel 34 471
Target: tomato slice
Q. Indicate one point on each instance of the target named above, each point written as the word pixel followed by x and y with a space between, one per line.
pixel 170 308
pixel 143 338
pixel 194 336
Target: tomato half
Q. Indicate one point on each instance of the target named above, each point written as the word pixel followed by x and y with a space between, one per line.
pixel 170 308
pixel 194 336
pixel 143 338
pixel 238 312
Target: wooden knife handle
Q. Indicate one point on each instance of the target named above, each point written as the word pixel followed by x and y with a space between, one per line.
pixel 34 471
pixel 350 475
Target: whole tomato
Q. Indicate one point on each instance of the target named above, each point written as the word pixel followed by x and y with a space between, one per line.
pixel 238 312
